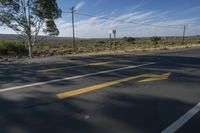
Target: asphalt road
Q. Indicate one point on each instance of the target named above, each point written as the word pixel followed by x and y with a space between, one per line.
pixel 103 94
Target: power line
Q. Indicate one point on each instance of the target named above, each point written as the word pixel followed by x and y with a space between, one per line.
pixel 124 21
pixel 131 22
pixel 66 12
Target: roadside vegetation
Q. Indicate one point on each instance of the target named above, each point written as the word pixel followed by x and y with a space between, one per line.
pixel 155 40
pixel 27 18
pixel 44 48
pixel 30 17
pixel 13 48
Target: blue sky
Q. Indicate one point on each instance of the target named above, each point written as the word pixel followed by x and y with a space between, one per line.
pixel 129 17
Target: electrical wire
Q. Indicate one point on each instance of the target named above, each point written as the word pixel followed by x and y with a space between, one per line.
pixel 124 21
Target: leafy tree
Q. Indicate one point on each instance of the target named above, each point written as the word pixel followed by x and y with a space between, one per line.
pixel 28 17
pixel 155 40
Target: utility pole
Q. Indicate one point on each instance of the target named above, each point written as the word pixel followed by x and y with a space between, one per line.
pixel 74 41
pixel 114 32
pixel 110 40
pixel 184 30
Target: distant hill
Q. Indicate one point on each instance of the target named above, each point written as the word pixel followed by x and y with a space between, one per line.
pixel 15 37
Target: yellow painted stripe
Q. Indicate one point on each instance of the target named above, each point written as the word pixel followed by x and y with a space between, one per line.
pixel 99 63
pixel 93 88
pixel 105 58
pixel 61 68
pixel 155 78
pixel 151 77
pixel 67 61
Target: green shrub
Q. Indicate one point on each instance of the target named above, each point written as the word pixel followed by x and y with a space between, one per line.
pixel 155 40
pixel 129 40
pixel 12 48
pixel 101 42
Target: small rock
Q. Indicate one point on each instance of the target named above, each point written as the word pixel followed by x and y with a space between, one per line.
pixel 86 117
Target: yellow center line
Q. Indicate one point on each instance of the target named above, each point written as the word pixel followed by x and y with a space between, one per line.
pixel 105 58
pixel 99 63
pixel 93 88
pixel 156 77
pixel 61 68
pixel 67 61
pixel 150 77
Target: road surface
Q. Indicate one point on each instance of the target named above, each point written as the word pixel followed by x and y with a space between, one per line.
pixel 149 93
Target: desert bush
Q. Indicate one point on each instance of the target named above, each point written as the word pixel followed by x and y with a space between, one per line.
pixel 12 48
pixel 101 42
pixel 155 40
pixel 129 40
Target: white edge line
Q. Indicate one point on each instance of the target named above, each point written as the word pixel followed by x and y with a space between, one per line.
pixel 182 120
pixel 74 77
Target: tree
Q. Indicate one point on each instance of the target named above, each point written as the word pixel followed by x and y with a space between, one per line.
pixel 29 17
pixel 155 40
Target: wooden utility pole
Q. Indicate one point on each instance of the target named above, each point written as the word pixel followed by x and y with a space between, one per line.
pixel 114 32
pixel 184 30
pixel 110 41
pixel 74 41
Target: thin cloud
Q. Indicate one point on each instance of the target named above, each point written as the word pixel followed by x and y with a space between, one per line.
pixel 79 5
pixel 193 10
pixel 98 2
pixel 113 12
pixel 144 24
pixel 135 6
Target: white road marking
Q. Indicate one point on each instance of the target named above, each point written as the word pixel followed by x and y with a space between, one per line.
pixel 70 78
pixel 182 120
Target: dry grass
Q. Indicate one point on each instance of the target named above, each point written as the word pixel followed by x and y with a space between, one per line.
pixel 101 46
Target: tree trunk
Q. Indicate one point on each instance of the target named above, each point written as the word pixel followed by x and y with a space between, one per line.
pixel 30 47
pixel 30 51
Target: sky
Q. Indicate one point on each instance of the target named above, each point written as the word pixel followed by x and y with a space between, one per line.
pixel 136 18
